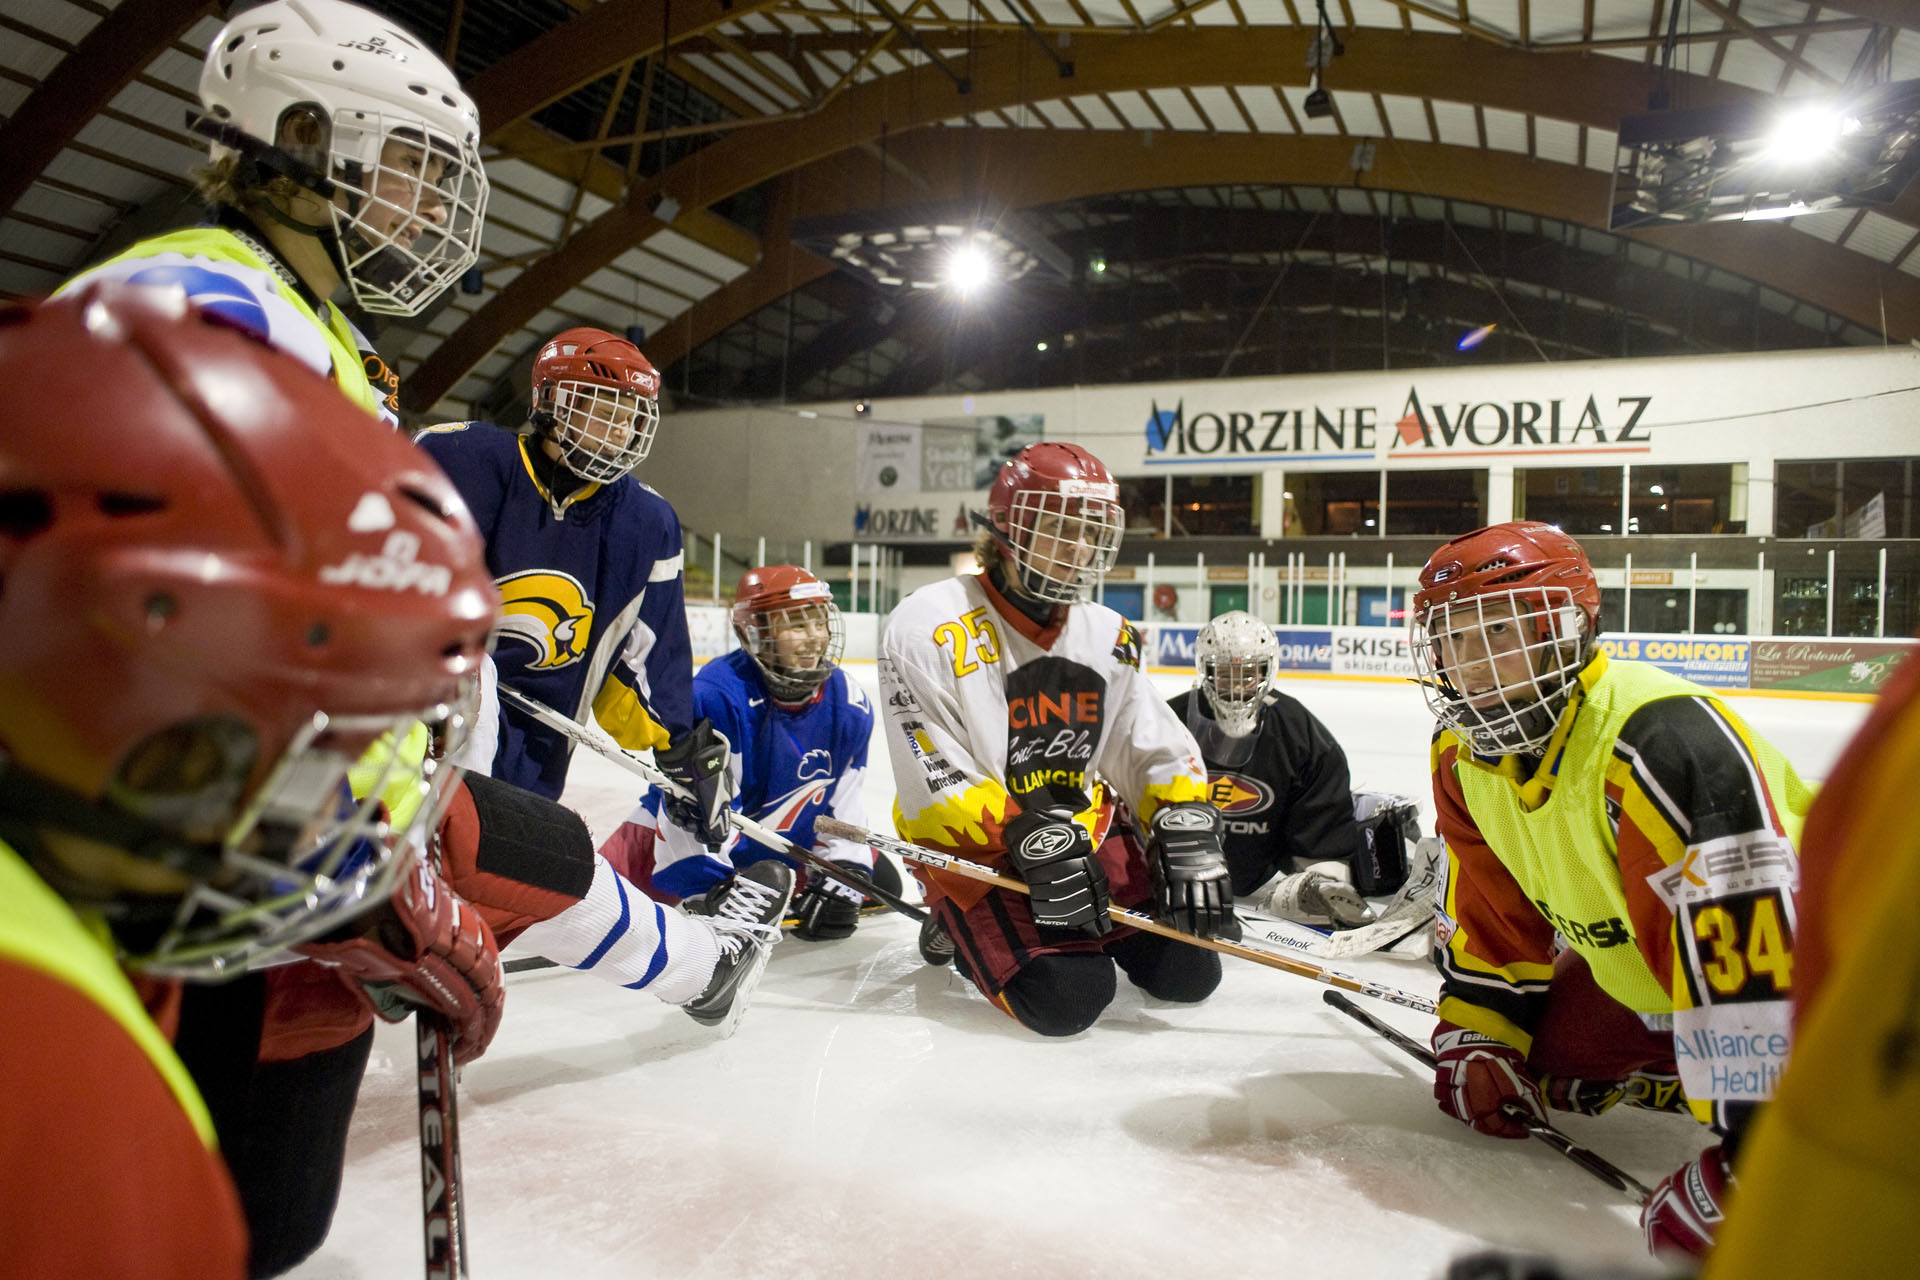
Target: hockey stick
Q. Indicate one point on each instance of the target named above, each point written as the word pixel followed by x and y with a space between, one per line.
pixel 1138 920
pixel 1585 1157
pixel 599 743
pixel 443 1203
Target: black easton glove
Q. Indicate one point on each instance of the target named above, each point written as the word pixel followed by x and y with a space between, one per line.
pixel 1191 890
pixel 828 909
pixel 1054 855
pixel 698 760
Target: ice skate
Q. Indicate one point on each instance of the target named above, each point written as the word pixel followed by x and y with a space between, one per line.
pixel 745 913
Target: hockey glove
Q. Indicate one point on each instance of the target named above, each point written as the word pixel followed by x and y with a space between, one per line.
pixel 1054 855
pixel 1320 895
pixel 828 909
pixel 1651 1090
pixel 1191 889
pixel 698 760
pixel 1683 1213
pixel 426 948
pixel 1476 1077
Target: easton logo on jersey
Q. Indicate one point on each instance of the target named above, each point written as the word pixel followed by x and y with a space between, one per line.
pixel 549 613
pixel 1235 793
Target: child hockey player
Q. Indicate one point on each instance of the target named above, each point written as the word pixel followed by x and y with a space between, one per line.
pixel 1011 705
pixel 1634 816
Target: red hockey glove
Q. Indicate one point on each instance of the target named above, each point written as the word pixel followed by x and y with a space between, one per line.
pixel 424 948
pixel 1682 1214
pixel 1475 1076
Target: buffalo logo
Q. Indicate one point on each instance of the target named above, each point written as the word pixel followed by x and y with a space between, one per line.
pixel 1235 793
pixel 547 612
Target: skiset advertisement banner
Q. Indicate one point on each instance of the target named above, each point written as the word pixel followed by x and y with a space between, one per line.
pixel 1816 666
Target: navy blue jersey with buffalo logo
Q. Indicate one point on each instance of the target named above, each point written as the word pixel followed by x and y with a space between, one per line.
pixel 592 610
pixel 1288 802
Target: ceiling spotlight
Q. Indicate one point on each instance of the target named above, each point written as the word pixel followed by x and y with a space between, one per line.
pixel 861 408
pixel 1040 345
pixel 1097 263
pixel 1318 104
pixel 968 270
pixel 1806 134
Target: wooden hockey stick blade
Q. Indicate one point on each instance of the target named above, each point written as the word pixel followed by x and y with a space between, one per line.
pixel 443 1201
pixel 602 745
pixel 1139 920
pixel 1588 1159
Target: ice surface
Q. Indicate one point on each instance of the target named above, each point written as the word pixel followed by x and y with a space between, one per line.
pixel 875 1117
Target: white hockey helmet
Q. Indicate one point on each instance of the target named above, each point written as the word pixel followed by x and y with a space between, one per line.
pixel 396 141
pixel 1234 659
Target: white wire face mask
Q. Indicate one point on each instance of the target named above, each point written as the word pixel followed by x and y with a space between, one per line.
pixel 325 837
pixel 603 432
pixel 1235 657
pixel 408 209
pixel 1498 668
pixel 1063 542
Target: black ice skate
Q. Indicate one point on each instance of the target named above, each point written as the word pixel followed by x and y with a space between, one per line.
pixel 936 944
pixel 745 913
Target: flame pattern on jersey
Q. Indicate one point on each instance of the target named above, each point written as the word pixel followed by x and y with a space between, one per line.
pixel 982 706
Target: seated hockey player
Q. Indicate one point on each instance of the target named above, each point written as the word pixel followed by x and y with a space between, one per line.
pixel 588 564
pixel 306 201
pixel 1633 815
pixel 191 673
pixel 1012 705
pixel 800 730
pixel 1292 840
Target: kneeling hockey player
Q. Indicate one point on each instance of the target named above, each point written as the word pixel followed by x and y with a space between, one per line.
pixel 1012 704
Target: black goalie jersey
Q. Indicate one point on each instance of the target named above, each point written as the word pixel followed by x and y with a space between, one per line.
pixel 1287 798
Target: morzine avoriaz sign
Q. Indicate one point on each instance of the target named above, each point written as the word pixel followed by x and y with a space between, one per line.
pixel 1611 423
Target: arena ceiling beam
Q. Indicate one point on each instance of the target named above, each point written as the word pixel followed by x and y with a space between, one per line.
pixel 1590 91
pixel 117 49
pixel 593 44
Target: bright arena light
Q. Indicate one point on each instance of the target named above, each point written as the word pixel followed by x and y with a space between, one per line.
pixel 1806 134
pixel 968 269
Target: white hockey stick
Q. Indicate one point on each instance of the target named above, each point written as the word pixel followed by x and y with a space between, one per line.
pixel 1139 920
pixel 600 744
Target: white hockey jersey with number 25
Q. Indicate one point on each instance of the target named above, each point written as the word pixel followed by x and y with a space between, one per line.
pixel 984 709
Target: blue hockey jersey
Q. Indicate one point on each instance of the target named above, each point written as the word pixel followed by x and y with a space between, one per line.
pixel 592 609
pixel 790 764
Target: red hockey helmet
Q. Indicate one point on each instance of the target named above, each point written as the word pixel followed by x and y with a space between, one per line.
pixel 598 399
pixel 222 587
pixel 1056 510
pixel 789 625
pixel 1504 618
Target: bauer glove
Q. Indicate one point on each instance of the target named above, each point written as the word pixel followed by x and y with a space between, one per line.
pixel 1683 1213
pixel 1477 1077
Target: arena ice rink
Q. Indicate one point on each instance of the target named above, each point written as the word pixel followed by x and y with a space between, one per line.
pixel 875 1117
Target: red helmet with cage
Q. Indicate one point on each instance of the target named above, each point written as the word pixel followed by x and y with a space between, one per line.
pixel 221 586
pixel 789 625
pixel 1504 619
pixel 1056 510
pixel 598 399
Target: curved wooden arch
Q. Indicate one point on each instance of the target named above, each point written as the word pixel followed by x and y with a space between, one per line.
pixel 1006 71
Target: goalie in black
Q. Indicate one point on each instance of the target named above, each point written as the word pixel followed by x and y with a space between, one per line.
pixel 1300 843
